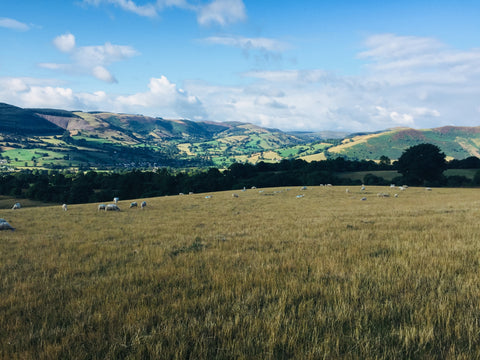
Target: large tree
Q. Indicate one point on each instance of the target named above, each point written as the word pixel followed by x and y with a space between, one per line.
pixel 421 163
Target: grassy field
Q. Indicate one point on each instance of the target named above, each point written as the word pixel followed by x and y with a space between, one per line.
pixel 259 276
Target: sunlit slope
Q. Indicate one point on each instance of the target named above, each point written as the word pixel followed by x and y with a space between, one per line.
pixel 455 142
pixel 262 275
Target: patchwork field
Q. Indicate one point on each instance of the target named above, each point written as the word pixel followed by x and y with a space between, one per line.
pixel 264 275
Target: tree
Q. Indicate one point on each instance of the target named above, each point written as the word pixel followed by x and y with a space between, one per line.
pixel 421 163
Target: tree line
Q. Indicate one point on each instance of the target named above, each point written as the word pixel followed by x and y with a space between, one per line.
pixel 419 165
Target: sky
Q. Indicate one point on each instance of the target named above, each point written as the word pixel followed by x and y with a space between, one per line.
pixel 309 65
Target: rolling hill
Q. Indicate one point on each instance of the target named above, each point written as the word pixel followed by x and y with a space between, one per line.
pixel 55 138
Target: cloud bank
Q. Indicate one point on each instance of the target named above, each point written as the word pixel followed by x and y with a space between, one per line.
pixel 406 81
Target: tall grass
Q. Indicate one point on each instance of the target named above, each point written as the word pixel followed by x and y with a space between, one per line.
pixel 261 276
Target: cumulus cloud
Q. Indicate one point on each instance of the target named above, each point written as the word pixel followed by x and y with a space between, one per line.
pixel 165 98
pixel 91 60
pixel 65 43
pixel 13 24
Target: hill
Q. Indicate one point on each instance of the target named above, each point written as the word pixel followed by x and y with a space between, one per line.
pixel 55 138
pixel 455 142
pixel 15 120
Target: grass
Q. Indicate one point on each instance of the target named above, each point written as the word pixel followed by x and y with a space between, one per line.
pixel 261 276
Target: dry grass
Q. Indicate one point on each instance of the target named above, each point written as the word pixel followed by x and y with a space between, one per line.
pixel 261 276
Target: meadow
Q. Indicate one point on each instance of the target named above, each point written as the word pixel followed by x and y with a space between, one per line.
pixel 264 275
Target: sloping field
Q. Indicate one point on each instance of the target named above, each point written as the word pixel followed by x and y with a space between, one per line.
pixel 264 275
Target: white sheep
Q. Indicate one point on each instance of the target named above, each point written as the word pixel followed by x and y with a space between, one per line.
pixel 133 204
pixel 64 207
pixel 235 195
pixel 116 200
pixel 101 207
pixel 363 187
pixel 4 225
pixel 16 206
pixel 112 207
pixel 143 204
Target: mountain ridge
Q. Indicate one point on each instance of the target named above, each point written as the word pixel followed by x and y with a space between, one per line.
pixel 112 140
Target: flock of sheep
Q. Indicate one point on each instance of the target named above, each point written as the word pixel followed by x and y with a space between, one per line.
pixel 4 225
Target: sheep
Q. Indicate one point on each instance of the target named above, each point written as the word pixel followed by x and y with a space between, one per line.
pixel 396 195
pixel 303 188
pixel 347 191
pixel 428 189
pixel 112 207
pixel 4 225
pixel 363 198
pixel 16 206
pixel 116 200
pixel 208 197
pixel 363 187
pixel 235 195
pixel 101 207
pixel 133 204
pixel 143 204
pixel 64 207
pixel 383 195
pixel 300 196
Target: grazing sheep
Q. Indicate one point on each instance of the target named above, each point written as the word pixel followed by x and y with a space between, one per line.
pixel 4 225
pixel 235 195
pixel 64 207
pixel 363 199
pixel 347 191
pixel 428 189
pixel 112 207
pixel 101 207
pixel 16 206
pixel 363 187
pixel 383 195
pixel 303 188
pixel 143 204
pixel 116 200
pixel 396 195
pixel 300 196
pixel 208 197
pixel 133 204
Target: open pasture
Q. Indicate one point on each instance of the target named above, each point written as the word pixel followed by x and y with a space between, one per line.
pixel 264 275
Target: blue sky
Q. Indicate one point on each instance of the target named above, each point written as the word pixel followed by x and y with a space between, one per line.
pixel 292 65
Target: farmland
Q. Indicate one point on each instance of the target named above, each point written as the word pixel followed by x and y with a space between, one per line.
pixel 266 275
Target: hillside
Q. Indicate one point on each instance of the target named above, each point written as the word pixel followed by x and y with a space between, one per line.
pixel 455 142
pixel 55 138
pixel 16 120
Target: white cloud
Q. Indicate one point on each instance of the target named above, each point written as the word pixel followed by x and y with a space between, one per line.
pixel 222 12
pixel 164 98
pixel 246 44
pixel 90 59
pixel 13 24
pixel 64 43
pixel 148 10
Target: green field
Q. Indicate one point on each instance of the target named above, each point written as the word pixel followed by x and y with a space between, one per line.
pixel 264 275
